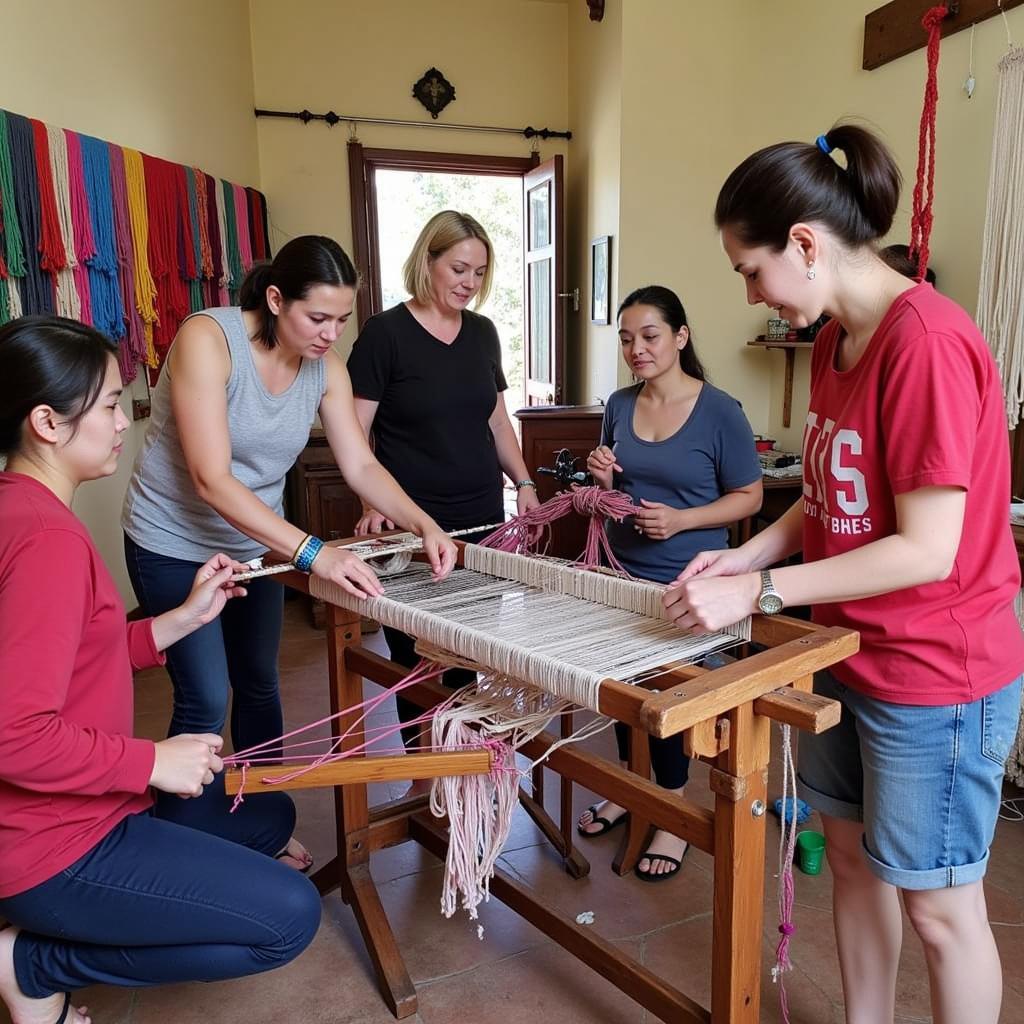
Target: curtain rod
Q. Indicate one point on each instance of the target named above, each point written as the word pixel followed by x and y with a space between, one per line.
pixel 332 119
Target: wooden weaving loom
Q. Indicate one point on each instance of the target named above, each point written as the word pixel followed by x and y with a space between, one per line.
pixel 724 716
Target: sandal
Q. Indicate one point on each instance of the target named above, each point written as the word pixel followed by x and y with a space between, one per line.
pixel 294 861
pixel 67 1006
pixel 606 825
pixel 661 876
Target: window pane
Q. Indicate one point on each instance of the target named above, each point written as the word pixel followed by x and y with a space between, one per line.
pixel 540 215
pixel 540 321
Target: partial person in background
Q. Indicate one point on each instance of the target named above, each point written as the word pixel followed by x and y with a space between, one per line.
pixel 683 450
pixel 428 387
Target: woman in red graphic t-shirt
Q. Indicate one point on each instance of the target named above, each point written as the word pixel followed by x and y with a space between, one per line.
pixel 904 531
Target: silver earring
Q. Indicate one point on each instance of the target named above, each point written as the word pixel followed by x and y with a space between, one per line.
pixel 811 274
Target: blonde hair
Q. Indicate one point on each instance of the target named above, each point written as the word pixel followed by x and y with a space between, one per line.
pixel 439 234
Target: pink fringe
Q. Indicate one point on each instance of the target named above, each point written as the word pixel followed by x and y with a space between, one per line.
pixel 522 534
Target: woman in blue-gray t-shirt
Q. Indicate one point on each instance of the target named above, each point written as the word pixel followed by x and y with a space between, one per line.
pixel 683 450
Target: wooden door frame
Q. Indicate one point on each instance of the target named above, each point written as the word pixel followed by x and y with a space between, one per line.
pixel 363 164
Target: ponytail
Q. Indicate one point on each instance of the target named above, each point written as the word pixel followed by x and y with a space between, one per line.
pixel 790 182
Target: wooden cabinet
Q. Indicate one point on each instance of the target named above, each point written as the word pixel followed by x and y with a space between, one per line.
pixel 318 499
pixel 545 431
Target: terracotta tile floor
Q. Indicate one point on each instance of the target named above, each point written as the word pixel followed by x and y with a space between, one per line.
pixel 515 972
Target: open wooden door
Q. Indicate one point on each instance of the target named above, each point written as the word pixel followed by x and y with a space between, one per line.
pixel 544 285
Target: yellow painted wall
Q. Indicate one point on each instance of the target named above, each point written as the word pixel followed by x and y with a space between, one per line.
pixel 701 92
pixel 171 79
pixel 592 194
pixel 506 59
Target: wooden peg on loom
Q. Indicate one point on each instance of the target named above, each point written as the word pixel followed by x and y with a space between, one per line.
pixel 389 768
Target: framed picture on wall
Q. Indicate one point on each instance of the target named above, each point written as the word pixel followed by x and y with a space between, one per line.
pixel 600 279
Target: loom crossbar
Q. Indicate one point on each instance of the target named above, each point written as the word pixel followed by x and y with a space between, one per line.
pixel 386 768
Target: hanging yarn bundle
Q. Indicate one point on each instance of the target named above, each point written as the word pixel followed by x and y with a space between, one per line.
pixel 522 534
pixel 924 186
pixel 84 242
pixel 13 250
pixel 126 242
pixel 37 286
pixel 1001 285
pixel 145 288
pixel 501 714
pixel 68 301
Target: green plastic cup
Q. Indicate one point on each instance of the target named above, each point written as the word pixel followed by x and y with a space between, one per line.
pixel 810 850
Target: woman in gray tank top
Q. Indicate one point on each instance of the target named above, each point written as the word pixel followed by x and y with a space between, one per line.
pixel 684 451
pixel 231 413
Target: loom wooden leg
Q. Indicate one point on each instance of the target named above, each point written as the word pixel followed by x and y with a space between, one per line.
pixel 638 830
pixel 575 863
pixel 740 787
pixel 353 827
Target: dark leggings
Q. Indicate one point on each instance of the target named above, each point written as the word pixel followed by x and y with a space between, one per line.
pixel 671 766
pixel 236 652
pixel 155 902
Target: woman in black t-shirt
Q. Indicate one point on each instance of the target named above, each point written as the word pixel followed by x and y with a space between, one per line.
pixel 427 380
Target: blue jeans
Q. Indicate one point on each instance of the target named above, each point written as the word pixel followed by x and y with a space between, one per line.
pixel 154 902
pixel 925 781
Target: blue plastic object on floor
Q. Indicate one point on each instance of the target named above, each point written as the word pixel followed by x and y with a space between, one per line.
pixel 803 810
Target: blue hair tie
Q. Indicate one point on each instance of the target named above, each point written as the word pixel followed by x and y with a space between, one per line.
pixel 822 144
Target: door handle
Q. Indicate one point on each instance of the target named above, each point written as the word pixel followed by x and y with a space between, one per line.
pixel 574 295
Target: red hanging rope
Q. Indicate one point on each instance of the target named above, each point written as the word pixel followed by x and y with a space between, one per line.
pixel 924 186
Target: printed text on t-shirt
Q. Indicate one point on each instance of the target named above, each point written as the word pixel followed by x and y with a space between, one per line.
pixel 835 491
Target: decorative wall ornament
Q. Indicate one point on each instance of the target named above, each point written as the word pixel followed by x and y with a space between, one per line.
pixel 434 91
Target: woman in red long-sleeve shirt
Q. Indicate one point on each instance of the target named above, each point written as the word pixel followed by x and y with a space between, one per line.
pixel 96 889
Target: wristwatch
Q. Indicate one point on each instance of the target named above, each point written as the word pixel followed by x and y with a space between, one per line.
pixel 770 600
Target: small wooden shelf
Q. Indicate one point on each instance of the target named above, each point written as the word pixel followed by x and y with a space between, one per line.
pixel 762 342
pixel 790 348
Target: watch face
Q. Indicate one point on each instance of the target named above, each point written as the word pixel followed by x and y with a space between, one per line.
pixel 770 604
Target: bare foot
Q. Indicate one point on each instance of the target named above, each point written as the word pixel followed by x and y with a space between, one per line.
pixel 663 845
pixel 31 1011
pixel 607 810
pixel 295 855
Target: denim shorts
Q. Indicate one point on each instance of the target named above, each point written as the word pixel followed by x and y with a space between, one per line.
pixel 926 781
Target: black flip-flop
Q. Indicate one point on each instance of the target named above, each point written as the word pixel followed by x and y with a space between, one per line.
pixel 67 1006
pixel 662 876
pixel 606 825
pixel 284 853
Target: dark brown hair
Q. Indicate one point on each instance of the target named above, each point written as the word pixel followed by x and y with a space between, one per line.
pixel 299 265
pixel 670 307
pixel 48 360
pixel 790 182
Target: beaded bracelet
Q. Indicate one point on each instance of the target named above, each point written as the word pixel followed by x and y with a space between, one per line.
pixel 520 484
pixel 306 555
